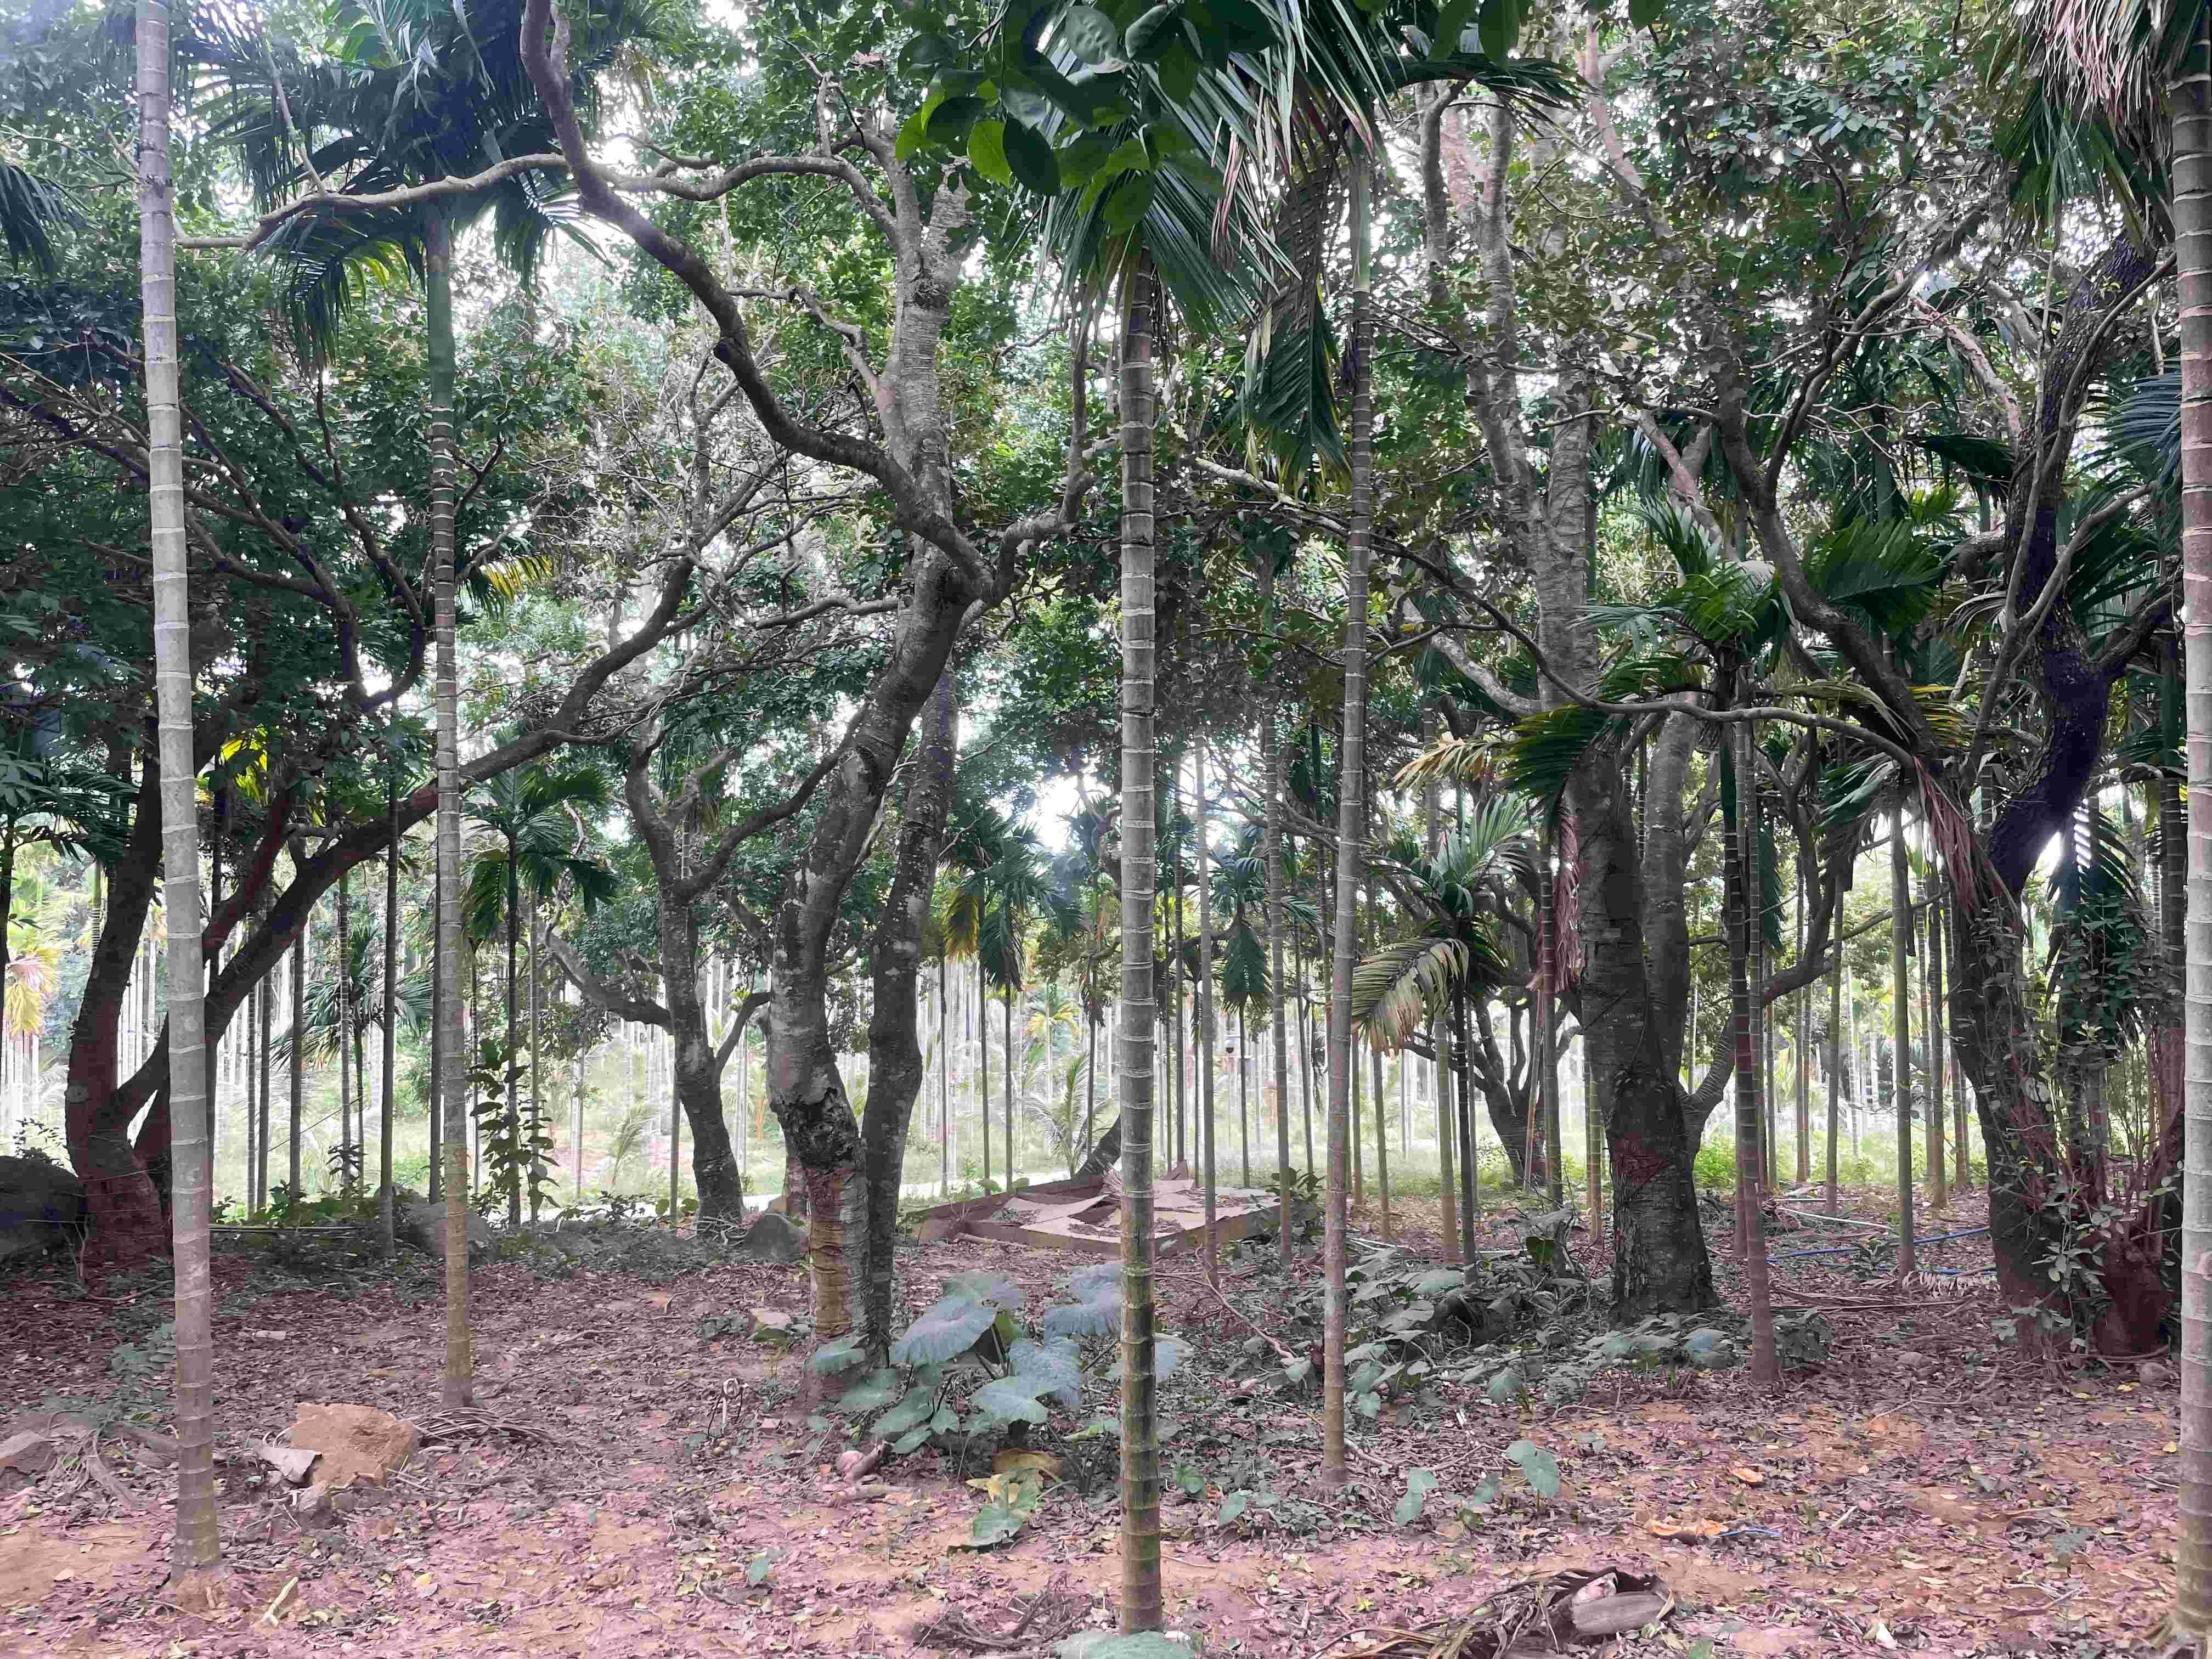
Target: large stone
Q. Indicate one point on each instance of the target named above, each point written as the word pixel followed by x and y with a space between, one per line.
pixel 775 1239
pixel 41 1207
pixel 355 1442
pixel 422 1227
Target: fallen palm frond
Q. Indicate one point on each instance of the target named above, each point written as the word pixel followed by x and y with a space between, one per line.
pixel 1537 1616
pixel 470 1422
pixel 1046 1617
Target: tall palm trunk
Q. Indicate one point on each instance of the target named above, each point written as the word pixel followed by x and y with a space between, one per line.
pixel 1374 1069
pixel 1743 911
pixel 297 1059
pixel 1542 1135
pixel 1440 1084
pixel 459 1386
pixel 1204 1013
pixel 1931 981
pixel 1140 1601
pixel 387 1216
pixel 1804 1034
pixel 1900 992
pixel 984 1067
pixel 1350 757
pixel 1835 1066
pixel 267 1012
pixel 513 1107
pixel 344 958
pixel 197 1555
pixel 2192 226
pixel 1273 763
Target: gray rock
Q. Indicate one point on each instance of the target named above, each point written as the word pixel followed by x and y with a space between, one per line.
pixel 422 1227
pixel 41 1207
pixel 775 1239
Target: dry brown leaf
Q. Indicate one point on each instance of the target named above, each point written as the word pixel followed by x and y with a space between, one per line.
pixel 1043 1462
pixel 1686 1529
pixel 1750 1477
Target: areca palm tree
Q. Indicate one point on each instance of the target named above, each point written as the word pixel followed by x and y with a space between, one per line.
pixel 2141 75
pixel 529 817
pixel 390 129
pixel 196 1558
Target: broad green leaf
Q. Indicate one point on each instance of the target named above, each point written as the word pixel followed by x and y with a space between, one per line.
pixel 1190 1477
pixel 1451 23
pixel 1642 14
pixel 987 150
pixel 1149 36
pixel 1089 33
pixel 994 1523
pixel 1500 28
pixel 913 132
pixel 1233 1507
pixel 912 1440
pixel 839 1356
pixel 1440 1280
pixel 949 121
pixel 757 1568
pixel 1053 1364
pixel 1126 206
pixel 1244 24
pixel 1541 1467
pixel 928 53
pixel 1008 1398
pixel 872 1393
pixel 1030 156
pixel 1419 1483
pixel 918 1406
pixel 1178 71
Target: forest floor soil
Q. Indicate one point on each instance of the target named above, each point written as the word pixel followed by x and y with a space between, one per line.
pixel 1925 1489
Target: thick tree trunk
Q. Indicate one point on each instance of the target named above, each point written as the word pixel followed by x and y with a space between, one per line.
pixel 896 1063
pixel 806 1089
pixel 1744 893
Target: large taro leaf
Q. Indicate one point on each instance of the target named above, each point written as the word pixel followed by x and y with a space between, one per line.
pixel 969 1306
pixel 871 1392
pixel 1097 1309
pixel 1004 1399
pixel 839 1356
pixel 1056 1361
pixel 919 1406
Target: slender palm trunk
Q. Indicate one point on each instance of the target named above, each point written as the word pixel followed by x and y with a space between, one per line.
pixel 297 1060
pixel 197 1555
pixel 1901 951
pixel 2192 226
pixel 1204 1013
pixel 984 1067
pixel 1375 1068
pixel 537 982
pixel 267 1011
pixel 1543 1127
pixel 1744 908
pixel 459 1385
pixel 386 1214
pixel 1006 1024
pixel 1932 976
pixel 1273 763
pixel 1835 1068
pixel 342 959
pixel 1350 832
pixel 512 1112
pixel 1804 1041
pixel 1140 1605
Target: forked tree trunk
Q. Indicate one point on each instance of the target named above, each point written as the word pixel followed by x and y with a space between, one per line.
pixel 457 1387
pixel 196 1557
pixel 1350 833
pixel 1139 1603
pixel 896 1063
pixel 2192 225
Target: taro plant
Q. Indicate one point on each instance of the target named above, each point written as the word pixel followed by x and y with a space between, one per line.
pixel 969 1364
